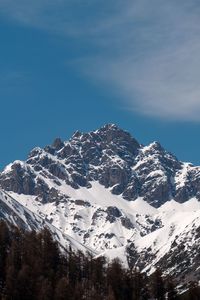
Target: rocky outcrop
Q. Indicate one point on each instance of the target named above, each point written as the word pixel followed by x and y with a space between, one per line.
pixel 110 156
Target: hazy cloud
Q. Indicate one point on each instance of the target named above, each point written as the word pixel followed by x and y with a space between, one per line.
pixel 148 52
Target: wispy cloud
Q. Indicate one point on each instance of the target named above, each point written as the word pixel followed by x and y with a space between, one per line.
pixel 147 51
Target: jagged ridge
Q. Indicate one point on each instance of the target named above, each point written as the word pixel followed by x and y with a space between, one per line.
pixel 107 192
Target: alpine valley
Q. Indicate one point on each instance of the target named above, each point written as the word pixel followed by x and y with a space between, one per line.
pixel 103 192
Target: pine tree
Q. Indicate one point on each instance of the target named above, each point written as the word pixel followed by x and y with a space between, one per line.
pixel 10 284
pixel 49 253
pixel 24 284
pixel 137 284
pixel 98 274
pixel 158 287
pixel 79 292
pixel 13 262
pixel 115 277
pixel 73 269
pixel 111 295
pixel 4 247
pixel 194 291
pixel 63 290
pixel 44 289
pixel 171 291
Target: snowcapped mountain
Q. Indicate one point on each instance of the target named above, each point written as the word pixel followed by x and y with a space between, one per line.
pixel 21 216
pixel 106 193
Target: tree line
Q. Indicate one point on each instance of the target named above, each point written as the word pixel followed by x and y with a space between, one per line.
pixel 32 267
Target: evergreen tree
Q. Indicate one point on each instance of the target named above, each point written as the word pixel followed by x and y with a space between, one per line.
pixel 158 286
pixel 4 247
pixel 171 291
pixel 44 289
pixel 194 291
pixel 111 295
pixel 49 253
pixel 24 284
pixel 63 290
pixel 115 276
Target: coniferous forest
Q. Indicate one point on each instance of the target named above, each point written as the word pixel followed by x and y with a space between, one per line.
pixel 32 267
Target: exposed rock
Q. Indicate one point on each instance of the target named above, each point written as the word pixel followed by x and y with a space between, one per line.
pixel 82 203
pixel 126 222
pixel 114 159
pixel 58 144
pixel 112 214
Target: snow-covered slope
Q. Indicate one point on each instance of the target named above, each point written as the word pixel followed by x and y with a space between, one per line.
pixel 95 217
pixel 106 193
pixel 15 213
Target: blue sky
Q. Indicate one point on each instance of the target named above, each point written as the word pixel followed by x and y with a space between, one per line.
pixel 68 65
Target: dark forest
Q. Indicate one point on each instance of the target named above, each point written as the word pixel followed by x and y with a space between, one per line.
pixel 33 267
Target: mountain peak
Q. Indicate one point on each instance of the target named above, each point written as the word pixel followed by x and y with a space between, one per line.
pixel 110 126
pixel 111 156
pixel 58 144
pixel 76 134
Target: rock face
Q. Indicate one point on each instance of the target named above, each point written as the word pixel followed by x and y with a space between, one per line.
pixel 112 196
pixel 114 159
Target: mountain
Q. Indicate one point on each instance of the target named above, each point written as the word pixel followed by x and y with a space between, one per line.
pixel 21 216
pixel 106 193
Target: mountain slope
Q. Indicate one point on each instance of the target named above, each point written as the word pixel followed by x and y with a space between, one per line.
pixel 105 192
pixel 15 213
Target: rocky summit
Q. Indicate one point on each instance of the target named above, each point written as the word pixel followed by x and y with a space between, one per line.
pixel 106 193
pixel 109 156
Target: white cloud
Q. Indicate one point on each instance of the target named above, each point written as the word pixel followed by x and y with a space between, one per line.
pixel 156 68
pixel 147 51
